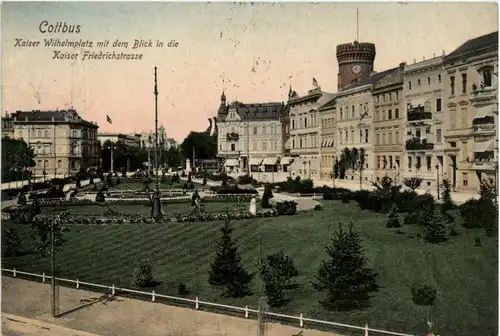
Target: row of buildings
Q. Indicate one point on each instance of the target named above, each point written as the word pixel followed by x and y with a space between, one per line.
pixel 435 119
pixel 63 142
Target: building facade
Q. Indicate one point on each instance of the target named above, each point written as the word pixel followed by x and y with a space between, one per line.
pixel 126 139
pixel 388 124
pixel 63 143
pixel 425 97
pixel 249 136
pixel 305 132
pixel 472 114
pixel 328 145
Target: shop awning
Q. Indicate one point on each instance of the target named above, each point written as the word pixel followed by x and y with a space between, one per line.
pixel 421 101
pixel 330 143
pixel 285 160
pixel 255 161
pixel 270 161
pixel 483 146
pixel 486 111
pixel 231 163
pixel 323 143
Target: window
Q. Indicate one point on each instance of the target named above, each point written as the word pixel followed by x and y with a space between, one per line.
pixel 452 85
pixel 419 163
pixel 264 130
pixel 439 79
pixel 438 105
pixel 417 133
pixel 378 162
pixel 264 145
pixel 391 165
pixel 220 147
pixel 384 162
pixel 438 135
pixel 305 121
pixel 464 83
pixel 383 138
pixel 352 112
pixel 59 163
pixel 389 139
pixel 340 136
pixel 233 147
pixel 255 131
pixel 341 114
pixel 487 77
pixel 39 134
pixel 409 85
pixel 409 162
pixel 396 113
pixel 293 143
pixel 390 115
pixel 429 163
pixel 293 124
pixel 418 82
pixel 465 179
pixel 254 145
pixel 383 97
pixel 397 95
pixel 360 136
pixel 300 143
pixel 396 135
pixel 346 136
pixel 428 80
pixel 366 135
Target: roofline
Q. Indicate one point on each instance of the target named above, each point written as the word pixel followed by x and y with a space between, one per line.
pixel 449 58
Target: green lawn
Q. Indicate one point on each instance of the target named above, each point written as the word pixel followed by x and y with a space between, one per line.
pixel 145 209
pixel 137 185
pixel 464 275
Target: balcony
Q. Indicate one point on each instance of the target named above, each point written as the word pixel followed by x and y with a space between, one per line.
pixel 416 144
pixel 232 137
pixel 484 164
pixel 484 129
pixel 419 116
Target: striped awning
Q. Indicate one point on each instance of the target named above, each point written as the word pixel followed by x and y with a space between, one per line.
pixel 486 111
pixel 419 101
pixel 255 161
pixel 483 146
pixel 323 143
pixel 270 161
pixel 285 160
pixel 231 163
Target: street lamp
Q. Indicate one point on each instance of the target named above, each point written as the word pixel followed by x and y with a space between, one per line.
pixel 437 180
pixel 111 148
pixel 156 206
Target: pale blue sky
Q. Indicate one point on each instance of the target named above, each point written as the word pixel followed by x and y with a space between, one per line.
pixel 286 39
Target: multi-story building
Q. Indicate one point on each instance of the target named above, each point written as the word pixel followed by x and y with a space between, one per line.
pixel 63 143
pixel 249 136
pixel 328 146
pixel 388 124
pixel 126 139
pixel 147 139
pixel 305 132
pixel 472 110
pixel 425 97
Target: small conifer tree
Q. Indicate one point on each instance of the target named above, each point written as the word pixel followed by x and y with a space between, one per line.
pixel 434 226
pixel 393 220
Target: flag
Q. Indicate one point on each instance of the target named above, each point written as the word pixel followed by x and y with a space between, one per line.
pixel 366 329
pixel 365 113
pixel 108 119
pixel 315 83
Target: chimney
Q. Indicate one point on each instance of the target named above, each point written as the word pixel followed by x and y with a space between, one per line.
pixel 402 65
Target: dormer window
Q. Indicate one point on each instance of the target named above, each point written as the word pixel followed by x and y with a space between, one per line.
pixel 486 74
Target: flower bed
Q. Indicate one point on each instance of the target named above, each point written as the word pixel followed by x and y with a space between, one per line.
pixel 138 219
pixel 208 198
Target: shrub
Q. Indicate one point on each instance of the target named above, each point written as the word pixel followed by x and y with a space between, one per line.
pixel 286 208
pixel 318 207
pixel 446 197
pixel 472 214
pixel 413 182
pixel 204 180
pixel 10 242
pixel 246 179
pixel 99 198
pixel 182 289
pixel 393 220
pixel 423 295
pixel 268 194
pixel 277 273
pixel 477 242
pixel 435 229
pixel 143 274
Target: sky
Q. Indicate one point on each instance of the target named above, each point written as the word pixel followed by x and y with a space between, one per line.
pixel 253 51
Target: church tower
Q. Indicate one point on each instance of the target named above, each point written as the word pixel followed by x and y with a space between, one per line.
pixel 355 62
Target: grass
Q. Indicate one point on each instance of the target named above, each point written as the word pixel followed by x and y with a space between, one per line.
pixel 132 185
pixel 465 276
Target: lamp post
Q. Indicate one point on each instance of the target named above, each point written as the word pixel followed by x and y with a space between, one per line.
pixel 111 148
pixel 156 206
pixel 333 171
pixel 248 143
pixel 437 181
pixel 309 169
